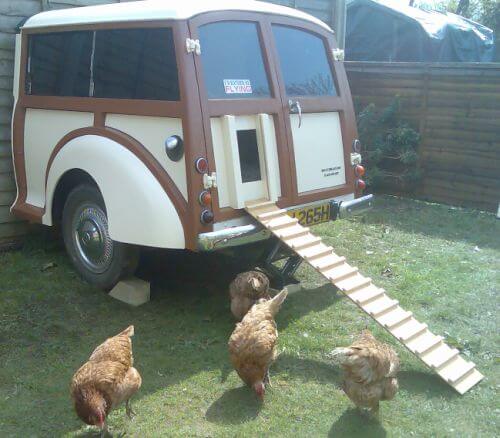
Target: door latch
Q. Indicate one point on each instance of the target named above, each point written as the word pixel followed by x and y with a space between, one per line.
pixel 355 158
pixel 210 181
pixel 295 108
pixel 193 46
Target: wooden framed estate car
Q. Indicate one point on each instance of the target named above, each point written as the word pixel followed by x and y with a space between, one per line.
pixel 153 123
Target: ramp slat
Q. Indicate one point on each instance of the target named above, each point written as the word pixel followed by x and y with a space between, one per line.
pixel 327 263
pixel 367 294
pixel 395 318
pixel 414 335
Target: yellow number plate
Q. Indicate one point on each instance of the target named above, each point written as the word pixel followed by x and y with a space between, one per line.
pixel 312 215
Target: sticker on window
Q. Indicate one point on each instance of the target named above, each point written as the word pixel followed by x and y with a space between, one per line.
pixel 237 86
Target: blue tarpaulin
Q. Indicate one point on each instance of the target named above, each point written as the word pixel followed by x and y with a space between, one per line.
pixel 390 30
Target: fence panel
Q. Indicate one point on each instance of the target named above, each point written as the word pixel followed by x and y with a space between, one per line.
pixel 456 109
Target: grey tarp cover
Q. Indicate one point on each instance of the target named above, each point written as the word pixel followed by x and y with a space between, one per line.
pixel 390 30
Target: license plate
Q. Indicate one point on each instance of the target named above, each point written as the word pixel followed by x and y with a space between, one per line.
pixel 316 214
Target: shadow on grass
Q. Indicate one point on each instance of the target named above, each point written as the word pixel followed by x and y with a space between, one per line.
pixel 354 424
pixel 307 369
pixel 306 301
pixel 416 382
pixel 235 406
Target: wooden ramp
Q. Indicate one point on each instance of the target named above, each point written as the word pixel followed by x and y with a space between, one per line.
pixel 414 335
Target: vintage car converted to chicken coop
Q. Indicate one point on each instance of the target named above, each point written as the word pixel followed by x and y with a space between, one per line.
pixel 153 123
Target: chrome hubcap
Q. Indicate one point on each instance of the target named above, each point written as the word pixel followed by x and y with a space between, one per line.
pixel 91 238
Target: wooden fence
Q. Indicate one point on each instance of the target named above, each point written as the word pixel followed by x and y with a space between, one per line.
pixel 456 109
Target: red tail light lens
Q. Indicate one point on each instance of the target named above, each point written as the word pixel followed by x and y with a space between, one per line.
pixel 205 198
pixel 359 170
pixel 360 184
pixel 201 165
pixel 206 217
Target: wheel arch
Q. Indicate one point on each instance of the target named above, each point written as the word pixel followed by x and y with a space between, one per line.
pixel 140 210
pixel 67 182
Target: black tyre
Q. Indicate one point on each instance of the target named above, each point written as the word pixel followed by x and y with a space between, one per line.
pixel 99 260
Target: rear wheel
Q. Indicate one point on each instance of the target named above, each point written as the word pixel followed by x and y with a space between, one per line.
pixel 99 260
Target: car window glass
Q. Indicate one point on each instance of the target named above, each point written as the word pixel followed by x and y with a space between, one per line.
pixel 304 63
pixel 233 65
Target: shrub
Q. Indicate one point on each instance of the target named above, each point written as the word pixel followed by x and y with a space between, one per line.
pixel 389 149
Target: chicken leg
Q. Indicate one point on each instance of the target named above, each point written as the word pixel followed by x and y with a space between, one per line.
pixel 128 409
pixel 104 430
pixel 267 379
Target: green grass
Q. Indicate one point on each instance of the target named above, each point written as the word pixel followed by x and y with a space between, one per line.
pixel 439 262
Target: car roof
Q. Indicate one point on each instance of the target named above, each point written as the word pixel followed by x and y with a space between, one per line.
pixel 150 10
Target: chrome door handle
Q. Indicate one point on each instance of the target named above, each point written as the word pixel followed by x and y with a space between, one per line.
pixel 295 108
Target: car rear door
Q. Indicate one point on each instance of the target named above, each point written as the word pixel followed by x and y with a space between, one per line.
pixel 317 108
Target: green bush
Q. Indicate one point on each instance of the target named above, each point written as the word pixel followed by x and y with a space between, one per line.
pixel 389 149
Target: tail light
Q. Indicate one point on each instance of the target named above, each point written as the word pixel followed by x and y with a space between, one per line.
pixel 359 170
pixel 201 165
pixel 205 198
pixel 206 217
pixel 360 184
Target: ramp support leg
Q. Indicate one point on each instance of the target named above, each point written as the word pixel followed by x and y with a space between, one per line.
pixel 280 277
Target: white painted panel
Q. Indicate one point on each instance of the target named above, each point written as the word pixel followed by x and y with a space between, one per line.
pixel 319 151
pixel 139 211
pixel 152 132
pixel 268 138
pixel 231 190
pixel 43 130
pixel 224 187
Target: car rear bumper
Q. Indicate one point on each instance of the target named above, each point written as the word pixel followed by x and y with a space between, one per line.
pixel 255 232
pixel 354 207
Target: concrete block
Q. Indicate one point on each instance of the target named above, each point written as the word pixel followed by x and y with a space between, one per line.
pixel 132 291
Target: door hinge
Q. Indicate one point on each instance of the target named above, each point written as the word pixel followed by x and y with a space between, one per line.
pixel 210 181
pixel 338 54
pixel 193 46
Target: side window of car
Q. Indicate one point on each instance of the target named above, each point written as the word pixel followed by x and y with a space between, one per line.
pixel 59 64
pixel 135 64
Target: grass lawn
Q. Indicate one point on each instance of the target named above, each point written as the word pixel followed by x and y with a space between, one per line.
pixel 439 262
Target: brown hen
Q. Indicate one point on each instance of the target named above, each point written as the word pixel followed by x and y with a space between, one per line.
pixel 370 371
pixel 247 289
pixel 106 380
pixel 252 345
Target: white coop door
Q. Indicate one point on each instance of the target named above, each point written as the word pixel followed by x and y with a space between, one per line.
pixel 319 152
pixel 246 159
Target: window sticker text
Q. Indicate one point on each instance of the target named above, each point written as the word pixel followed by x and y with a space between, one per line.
pixel 237 86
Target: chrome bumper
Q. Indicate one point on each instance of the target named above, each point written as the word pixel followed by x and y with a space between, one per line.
pixel 354 207
pixel 254 232
pixel 233 236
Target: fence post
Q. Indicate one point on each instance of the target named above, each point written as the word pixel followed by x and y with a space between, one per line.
pixel 338 21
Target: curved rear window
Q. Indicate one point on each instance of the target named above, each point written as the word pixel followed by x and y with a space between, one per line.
pixel 233 66
pixel 304 63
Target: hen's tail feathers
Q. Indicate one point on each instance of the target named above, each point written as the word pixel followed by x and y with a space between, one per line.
pixel 277 301
pixel 340 355
pixel 129 331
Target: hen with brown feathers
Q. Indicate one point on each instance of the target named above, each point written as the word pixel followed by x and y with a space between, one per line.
pixel 247 289
pixel 252 345
pixel 370 368
pixel 106 380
